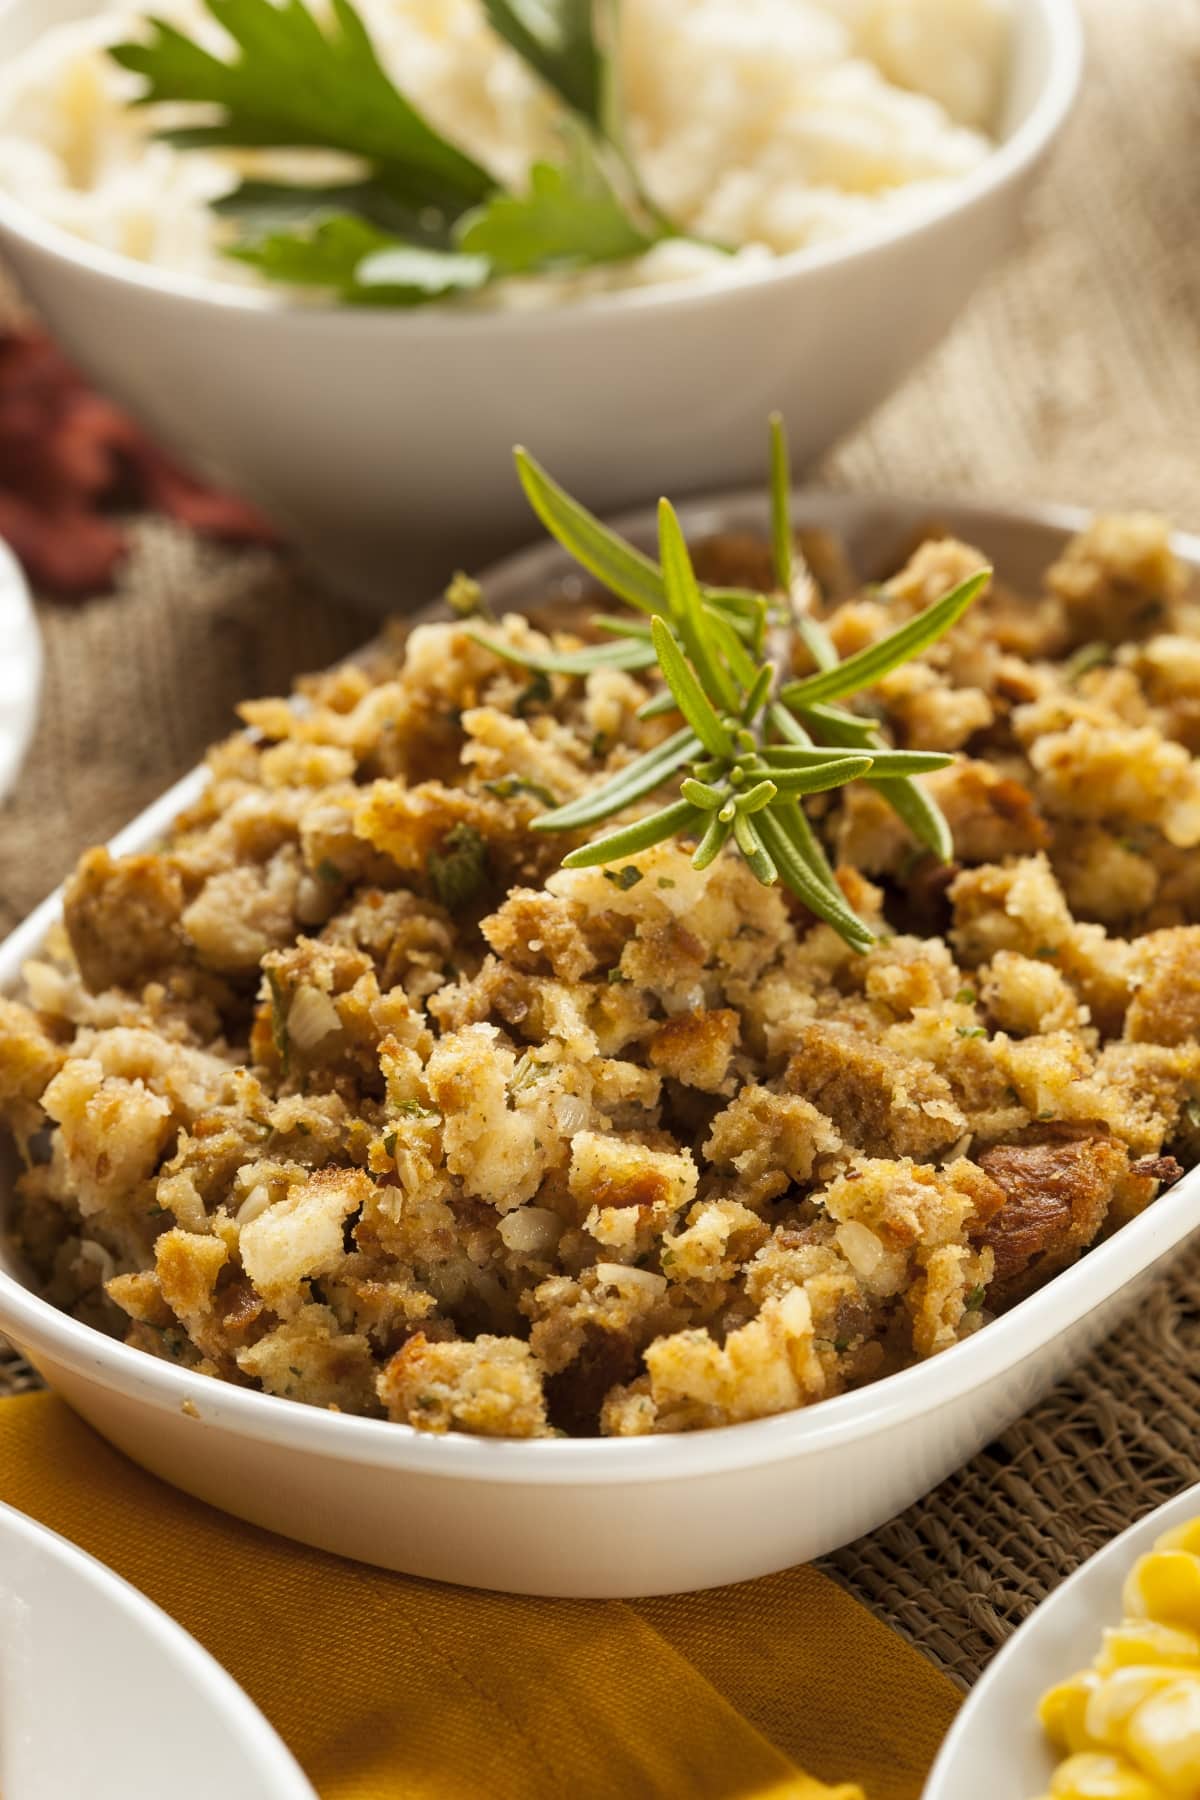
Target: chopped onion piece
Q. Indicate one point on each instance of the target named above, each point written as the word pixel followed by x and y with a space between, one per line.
pixel 311 1017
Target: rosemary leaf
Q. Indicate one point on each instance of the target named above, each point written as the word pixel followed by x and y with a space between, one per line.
pixel 625 654
pixel 921 813
pixel 820 777
pixel 616 626
pixel 869 665
pixel 627 785
pixel 788 727
pixel 782 543
pixel 715 838
pixel 825 901
pixel 816 641
pixel 808 845
pixel 743 666
pixel 836 726
pixel 752 847
pixel 671 822
pixel 759 688
pixel 625 571
pixel 884 763
pixel 683 598
pixel 693 702
pixel 658 706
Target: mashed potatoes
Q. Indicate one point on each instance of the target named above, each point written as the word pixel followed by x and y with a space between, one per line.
pixel 351 1093
pixel 763 125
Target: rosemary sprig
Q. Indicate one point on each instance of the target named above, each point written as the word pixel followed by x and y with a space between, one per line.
pixel 754 740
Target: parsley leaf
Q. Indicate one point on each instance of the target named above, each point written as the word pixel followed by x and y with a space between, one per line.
pixel 360 263
pixel 259 207
pixel 421 220
pixel 294 84
pixel 556 38
pixel 571 216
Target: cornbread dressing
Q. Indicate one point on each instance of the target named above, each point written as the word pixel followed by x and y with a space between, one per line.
pixel 351 1093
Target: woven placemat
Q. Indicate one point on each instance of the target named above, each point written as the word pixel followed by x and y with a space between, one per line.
pixel 1075 376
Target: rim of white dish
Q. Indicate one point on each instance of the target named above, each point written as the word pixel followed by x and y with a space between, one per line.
pixel 885 1404
pixel 268 1758
pixel 1127 1546
pixel 20 667
pixel 1009 160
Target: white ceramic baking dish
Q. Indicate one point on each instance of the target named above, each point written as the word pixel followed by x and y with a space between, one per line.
pixel 609 1517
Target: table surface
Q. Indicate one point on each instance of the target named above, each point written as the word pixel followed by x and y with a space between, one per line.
pixel 1074 377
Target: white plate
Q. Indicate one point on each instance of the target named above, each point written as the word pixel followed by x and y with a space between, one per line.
pixel 996 1749
pixel 20 668
pixel 604 1518
pixel 103 1696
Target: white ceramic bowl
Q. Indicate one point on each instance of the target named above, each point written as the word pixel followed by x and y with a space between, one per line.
pixel 621 1516
pixel 376 439
pixel 101 1693
pixel 996 1749
pixel 20 668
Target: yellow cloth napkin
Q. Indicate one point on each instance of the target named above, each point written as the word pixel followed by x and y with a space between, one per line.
pixel 389 1688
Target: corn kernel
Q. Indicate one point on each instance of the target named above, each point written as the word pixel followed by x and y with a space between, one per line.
pixel 1100 1777
pixel 1145 1642
pixel 1063 1711
pixel 1165 1585
pixel 1163 1737
pixel 1182 1537
pixel 1117 1698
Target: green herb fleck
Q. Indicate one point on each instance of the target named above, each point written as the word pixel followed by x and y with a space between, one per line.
pixel 975 1299
pixel 664 881
pixel 616 975
pixel 1046 952
pixel 841 1344
pixel 509 785
pixel 427 1402
pixel 1087 657
pixel 457 871
pixel 279 1013
pixel 972 1031
pixel 537 692
pixel 328 870
pixel 464 597
pixel 528 1069
pixel 966 997
pixel 625 877
pixel 389 1142
pixel 413 1109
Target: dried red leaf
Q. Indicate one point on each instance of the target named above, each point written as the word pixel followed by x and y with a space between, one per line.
pixel 68 456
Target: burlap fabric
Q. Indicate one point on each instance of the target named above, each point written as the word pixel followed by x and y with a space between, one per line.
pixel 1075 376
